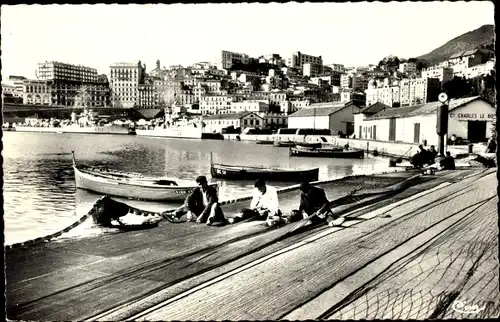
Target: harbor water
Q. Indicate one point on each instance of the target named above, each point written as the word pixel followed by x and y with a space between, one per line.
pixel 40 197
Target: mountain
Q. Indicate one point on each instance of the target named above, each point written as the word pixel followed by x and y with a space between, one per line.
pixel 484 35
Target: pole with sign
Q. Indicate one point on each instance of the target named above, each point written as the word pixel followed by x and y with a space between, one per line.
pixel 442 121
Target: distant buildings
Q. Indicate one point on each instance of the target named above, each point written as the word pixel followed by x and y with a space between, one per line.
pixel 125 80
pixel 419 90
pixel 298 59
pixel 407 68
pixel 228 58
pixel 444 74
pixel 57 71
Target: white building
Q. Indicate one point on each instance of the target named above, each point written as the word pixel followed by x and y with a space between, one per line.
pixel 336 67
pixel 334 116
pixel 480 70
pixel 215 104
pixel 444 74
pixel 298 59
pixel 385 92
pixel 124 83
pixel 249 106
pixel 215 123
pixel 469 118
pixel 407 68
pixel 312 69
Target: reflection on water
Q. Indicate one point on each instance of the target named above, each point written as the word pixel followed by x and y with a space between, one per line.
pixel 39 189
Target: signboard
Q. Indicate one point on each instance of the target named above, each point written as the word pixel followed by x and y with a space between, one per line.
pixel 473 116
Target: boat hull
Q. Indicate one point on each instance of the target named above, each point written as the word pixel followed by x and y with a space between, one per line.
pixel 179 132
pixel 131 188
pixel 38 129
pixel 330 153
pixel 248 173
pixel 284 144
pixel 98 130
pixel 264 142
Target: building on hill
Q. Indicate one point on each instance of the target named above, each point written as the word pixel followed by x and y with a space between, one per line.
pixel 249 106
pixel 334 116
pixel 419 90
pixel 469 118
pixel 298 59
pixel 348 95
pixel 386 92
pixel 407 68
pixel 480 70
pixel 461 61
pixel 229 58
pixel 444 74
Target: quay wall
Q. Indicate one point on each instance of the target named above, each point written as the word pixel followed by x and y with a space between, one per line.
pixel 384 148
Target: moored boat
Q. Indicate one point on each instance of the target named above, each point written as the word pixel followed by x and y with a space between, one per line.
pixel 237 172
pixel 264 142
pixel 96 129
pixel 285 144
pixel 324 152
pixel 309 144
pixel 188 130
pixel 132 185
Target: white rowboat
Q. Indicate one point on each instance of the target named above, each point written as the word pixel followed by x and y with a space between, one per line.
pixel 132 185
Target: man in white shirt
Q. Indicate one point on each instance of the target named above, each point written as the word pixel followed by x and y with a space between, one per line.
pixel 264 205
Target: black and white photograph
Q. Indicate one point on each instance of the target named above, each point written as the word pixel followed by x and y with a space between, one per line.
pixel 250 161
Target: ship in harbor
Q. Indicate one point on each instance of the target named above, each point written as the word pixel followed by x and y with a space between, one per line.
pixel 86 122
pixel 173 126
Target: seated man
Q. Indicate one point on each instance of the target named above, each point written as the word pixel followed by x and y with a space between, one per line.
pixel 432 154
pixel 313 202
pixel 202 203
pixel 448 163
pixel 264 204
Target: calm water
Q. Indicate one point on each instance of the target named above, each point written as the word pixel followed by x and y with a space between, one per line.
pixel 39 189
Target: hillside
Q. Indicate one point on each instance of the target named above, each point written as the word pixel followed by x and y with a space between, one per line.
pixel 484 35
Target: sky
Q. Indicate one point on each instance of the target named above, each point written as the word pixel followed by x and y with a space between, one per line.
pixel 353 34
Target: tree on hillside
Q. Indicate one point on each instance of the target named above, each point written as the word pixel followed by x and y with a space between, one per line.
pixel 458 87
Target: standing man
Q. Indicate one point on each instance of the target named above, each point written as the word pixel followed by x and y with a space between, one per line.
pixel 264 204
pixel 201 203
pixel 315 204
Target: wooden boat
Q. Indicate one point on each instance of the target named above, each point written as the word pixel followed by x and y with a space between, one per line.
pixel 323 152
pixel 132 185
pixel 309 144
pixel 264 142
pixel 286 144
pixel 236 172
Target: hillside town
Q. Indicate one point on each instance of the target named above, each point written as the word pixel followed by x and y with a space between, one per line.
pixel 267 92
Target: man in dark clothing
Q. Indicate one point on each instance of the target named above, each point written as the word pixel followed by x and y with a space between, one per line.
pixel 201 203
pixel 448 163
pixel 432 154
pixel 313 201
pixel 420 158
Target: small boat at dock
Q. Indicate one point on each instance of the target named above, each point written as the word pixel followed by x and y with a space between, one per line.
pixel 327 152
pixel 285 144
pixel 309 144
pixel 264 142
pixel 238 172
pixel 132 185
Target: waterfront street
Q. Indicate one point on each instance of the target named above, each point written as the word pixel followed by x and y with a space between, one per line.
pixel 183 271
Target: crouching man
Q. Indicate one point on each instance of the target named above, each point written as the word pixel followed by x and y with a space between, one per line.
pixel 314 205
pixel 264 205
pixel 201 205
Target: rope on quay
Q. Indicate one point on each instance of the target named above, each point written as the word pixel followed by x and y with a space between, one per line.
pixel 50 237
